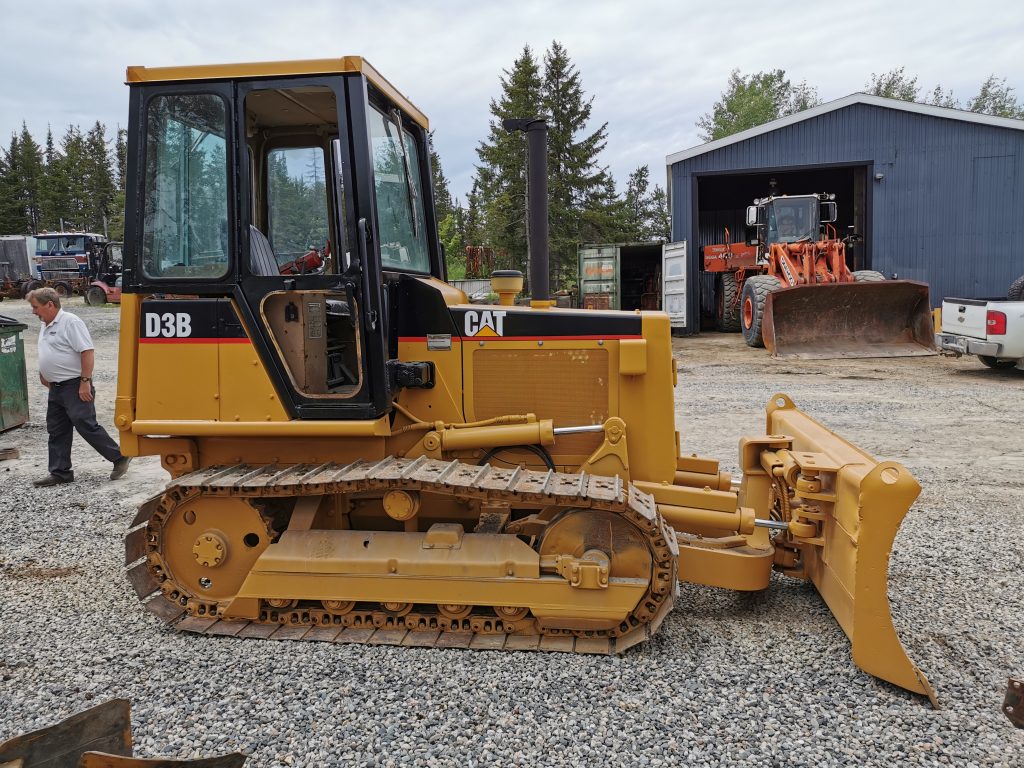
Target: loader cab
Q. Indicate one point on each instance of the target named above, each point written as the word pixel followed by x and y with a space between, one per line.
pixel 791 219
pixel 297 200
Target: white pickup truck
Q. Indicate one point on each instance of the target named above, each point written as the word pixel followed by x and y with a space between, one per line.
pixel 991 329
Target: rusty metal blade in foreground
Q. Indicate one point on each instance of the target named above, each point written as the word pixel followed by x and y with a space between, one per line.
pixel 890 318
pixel 105 728
pixel 1013 703
pixel 863 507
pixel 100 737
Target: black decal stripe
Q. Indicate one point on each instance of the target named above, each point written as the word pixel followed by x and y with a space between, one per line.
pixel 209 321
pixel 549 324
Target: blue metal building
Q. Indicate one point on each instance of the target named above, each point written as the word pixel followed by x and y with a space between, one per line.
pixel 936 193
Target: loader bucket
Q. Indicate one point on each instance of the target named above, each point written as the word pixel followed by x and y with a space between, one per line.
pixel 862 502
pixel 890 318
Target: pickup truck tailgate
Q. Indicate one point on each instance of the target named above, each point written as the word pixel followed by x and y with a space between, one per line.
pixel 965 317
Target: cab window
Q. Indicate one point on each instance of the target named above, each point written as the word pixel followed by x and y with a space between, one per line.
pixel 296 202
pixel 399 192
pixel 185 219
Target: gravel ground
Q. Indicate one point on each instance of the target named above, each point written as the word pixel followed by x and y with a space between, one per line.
pixel 758 680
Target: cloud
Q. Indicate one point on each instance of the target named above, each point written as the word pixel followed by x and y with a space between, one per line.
pixel 652 66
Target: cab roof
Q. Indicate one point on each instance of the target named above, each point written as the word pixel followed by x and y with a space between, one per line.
pixel 247 71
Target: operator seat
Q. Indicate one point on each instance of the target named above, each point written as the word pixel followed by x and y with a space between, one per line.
pixel 262 261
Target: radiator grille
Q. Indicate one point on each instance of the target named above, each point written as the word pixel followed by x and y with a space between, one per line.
pixel 567 385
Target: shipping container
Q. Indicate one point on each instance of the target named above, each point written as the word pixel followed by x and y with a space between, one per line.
pixel 623 276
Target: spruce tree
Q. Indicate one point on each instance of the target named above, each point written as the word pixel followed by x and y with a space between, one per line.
pixel 443 202
pixel 637 205
pixel 501 176
pixel 472 224
pixel 645 214
pixel 580 190
pixel 12 220
pixel 661 217
pixel 121 172
pixel 69 194
pixel 48 192
pixel 22 185
pixel 450 217
pixel 98 179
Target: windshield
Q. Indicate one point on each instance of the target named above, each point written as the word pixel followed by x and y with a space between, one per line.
pixel 54 246
pixel 791 220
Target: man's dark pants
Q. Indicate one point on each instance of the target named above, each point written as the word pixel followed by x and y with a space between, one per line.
pixel 65 411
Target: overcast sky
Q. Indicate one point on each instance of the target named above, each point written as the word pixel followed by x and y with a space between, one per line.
pixel 652 67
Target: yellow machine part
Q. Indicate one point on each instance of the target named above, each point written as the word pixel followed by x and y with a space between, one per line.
pixel 843 516
pixel 532 496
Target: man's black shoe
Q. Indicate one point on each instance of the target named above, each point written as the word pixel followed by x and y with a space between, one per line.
pixel 49 480
pixel 120 467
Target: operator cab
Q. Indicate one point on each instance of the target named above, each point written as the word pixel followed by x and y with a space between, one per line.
pixel 302 196
pixel 789 219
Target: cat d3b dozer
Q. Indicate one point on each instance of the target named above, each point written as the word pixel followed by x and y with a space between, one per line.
pixel 358 454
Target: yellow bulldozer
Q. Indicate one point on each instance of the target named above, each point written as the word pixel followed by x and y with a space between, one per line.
pixel 358 454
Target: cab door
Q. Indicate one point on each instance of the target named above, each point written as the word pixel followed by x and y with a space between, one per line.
pixel 306 282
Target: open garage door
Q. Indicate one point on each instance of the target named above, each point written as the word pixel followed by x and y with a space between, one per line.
pixel 722 200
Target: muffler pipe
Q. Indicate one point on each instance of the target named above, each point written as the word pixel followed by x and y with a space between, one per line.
pixel 536 130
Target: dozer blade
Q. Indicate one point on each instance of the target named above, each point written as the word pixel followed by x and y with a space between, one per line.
pixel 861 503
pixel 890 318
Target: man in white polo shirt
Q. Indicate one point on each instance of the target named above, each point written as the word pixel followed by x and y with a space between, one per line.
pixel 66 358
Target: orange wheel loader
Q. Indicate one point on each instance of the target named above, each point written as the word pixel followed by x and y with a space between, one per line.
pixel 791 290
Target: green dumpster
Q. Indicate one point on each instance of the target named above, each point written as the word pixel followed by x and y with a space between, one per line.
pixel 13 377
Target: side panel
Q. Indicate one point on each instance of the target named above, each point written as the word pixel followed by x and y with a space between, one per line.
pixel 178 360
pixel 426 333
pixel 556 364
pixel 577 368
pixel 196 363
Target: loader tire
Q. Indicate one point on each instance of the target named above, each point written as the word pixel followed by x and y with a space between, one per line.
pixel 868 276
pixel 996 363
pixel 95 296
pixel 755 294
pixel 728 310
pixel 30 286
pixel 1016 292
pixel 63 289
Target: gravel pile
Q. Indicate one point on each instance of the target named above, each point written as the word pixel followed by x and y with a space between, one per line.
pixel 753 680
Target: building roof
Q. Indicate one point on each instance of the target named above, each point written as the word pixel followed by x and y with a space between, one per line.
pixel 831 106
pixel 343 64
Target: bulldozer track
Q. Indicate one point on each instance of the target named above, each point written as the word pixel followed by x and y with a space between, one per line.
pixel 486 627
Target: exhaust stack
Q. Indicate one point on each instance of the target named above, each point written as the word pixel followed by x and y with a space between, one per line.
pixel 536 130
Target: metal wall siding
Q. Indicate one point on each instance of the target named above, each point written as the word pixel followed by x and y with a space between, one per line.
pixel 945 213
